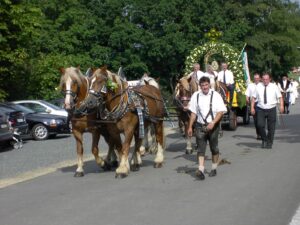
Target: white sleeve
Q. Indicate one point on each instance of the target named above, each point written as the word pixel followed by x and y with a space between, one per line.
pixel 220 106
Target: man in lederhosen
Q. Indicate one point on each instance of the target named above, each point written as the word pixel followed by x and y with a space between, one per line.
pixel 285 88
pixel 267 95
pixel 207 106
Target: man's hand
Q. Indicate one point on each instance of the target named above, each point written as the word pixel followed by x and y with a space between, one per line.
pixel 210 126
pixel 252 111
pixel 281 109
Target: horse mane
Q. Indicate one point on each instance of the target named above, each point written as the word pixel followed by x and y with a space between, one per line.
pixel 74 73
pixel 114 77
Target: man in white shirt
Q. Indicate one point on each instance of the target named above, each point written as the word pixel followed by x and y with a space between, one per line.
pixel 207 106
pixel 226 76
pixel 197 73
pixel 267 95
pixel 249 92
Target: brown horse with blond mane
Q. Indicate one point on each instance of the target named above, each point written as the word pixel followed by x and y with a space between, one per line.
pixel 128 110
pixel 75 87
pixel 185 87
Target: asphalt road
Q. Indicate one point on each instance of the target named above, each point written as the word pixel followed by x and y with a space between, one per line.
pixel 258 187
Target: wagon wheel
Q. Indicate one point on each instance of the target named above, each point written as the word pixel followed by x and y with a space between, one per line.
pixel 232 119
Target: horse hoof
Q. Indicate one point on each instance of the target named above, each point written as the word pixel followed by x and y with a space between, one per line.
pixel 79 174
pixel 158 165
pixel 114 164
pixel 106 167
pixel 189 151
pixel 135 168
pixel 121 175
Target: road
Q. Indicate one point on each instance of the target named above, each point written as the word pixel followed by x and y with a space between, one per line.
pixel 258 187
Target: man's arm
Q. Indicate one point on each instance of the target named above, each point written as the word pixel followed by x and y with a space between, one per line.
pixel 252 105
pixel 281 107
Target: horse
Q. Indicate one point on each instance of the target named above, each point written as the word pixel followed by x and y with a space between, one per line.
pixel 146 146
pixel 126 109
pixel 75 87
pixel 185 87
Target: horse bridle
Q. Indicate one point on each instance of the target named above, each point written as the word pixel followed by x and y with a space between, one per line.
pixel 72 93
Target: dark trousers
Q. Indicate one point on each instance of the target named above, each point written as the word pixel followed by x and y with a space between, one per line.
pixel 202 137
pixel 230 88
pixel 255 121
pixel 269 116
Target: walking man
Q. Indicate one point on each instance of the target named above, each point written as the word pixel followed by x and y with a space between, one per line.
pixel 285 88
pixel 249 92
pixel 207 107
pixel 267 95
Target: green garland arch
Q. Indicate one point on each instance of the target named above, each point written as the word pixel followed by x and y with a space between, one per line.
pixel 231 56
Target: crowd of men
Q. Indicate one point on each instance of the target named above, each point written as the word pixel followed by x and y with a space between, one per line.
pixel 264 96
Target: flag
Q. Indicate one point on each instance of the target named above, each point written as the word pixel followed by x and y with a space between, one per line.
pixel 246 68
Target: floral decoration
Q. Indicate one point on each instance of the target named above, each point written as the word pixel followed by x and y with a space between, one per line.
pixel 231 56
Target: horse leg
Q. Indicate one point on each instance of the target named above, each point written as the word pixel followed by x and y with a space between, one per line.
pixel 95 150
pixel 153 147
pixel 136 160
pixel 123 169
pixel 79 148
pixel 111 158
pixel 145 143
pixel 160 143
pixel 189 148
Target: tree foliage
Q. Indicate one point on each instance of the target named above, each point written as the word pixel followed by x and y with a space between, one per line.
pixel 39 36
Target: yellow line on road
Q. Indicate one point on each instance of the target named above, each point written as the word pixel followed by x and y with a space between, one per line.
pixel 43 171
pixel 39 172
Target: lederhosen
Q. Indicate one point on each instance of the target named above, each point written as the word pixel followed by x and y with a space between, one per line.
pixel 202 135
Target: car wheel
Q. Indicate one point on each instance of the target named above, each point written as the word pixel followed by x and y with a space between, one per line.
pixel 40 132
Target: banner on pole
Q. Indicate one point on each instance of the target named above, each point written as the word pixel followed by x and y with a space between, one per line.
pixel 246 68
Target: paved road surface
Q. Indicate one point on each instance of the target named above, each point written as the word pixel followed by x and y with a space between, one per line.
pixel 259 187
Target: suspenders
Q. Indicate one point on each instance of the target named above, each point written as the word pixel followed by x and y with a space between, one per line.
pixel 210 113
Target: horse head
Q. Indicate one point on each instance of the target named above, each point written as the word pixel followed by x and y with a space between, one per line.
pixel 104 84
pixel 183 91
pixel 74 87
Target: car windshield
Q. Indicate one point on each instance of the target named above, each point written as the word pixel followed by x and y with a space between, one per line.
pixel 51 105
pixel 22 108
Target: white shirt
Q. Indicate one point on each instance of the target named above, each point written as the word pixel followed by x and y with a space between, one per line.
pixel 199 74
pixel 228 76
pixel 273 95
pixel 203 105
pixel 250 90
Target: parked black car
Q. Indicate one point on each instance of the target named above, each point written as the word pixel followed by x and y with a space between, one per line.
pixel 15 118
pixel 5 131
pixel 42 126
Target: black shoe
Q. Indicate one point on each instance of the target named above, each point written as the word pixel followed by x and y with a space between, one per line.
pixel 264 144
pixel 213 173
pixel 258 137
pixel 200 175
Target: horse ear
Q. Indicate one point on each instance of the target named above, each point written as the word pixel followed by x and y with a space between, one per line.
pixel 104 69
pixel 62 70
pixel 157 79
pixel 78 69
